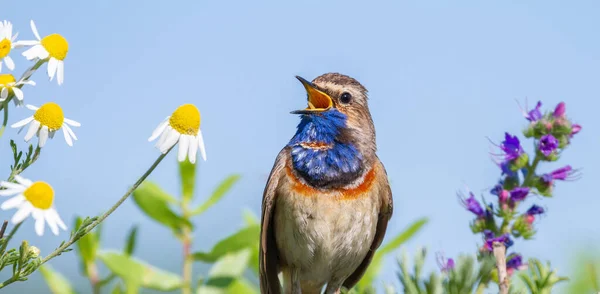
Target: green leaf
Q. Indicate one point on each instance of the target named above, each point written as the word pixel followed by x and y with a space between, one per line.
pixel 130 245
pixel 243 286
pixel 136 273
pixel 117 289
pixel 244 238
pixel 153 201
pixel 377 262
pixel 87 246
pixel 224 273
pixel 249 217
pixel 57 283
pixel 187 175
pixel 219 192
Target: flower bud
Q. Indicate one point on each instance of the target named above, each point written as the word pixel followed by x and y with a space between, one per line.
pixel 519 163
pixel 34 252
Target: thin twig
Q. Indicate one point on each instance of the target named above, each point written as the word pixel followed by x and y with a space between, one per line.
pixel 500 254
pixel 4 225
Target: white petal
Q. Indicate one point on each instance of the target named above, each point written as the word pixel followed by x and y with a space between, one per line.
pixel 72 122
pixel 43 136
pixel 22 213
pixel 34 29
pixel 18 93
pixel 22 122
pixel 61 72
pixel 23 181
pixel 159 130
pixel 71 133
pixel 67 137
pixel 9 63
pixel 23 43
pixel 0 65
pixel 193 149
pixel 51 134
pixel 33 128
pixel 184 144
pixel 37 51
pixel 170 141
pixel 51 220
pixel 54 215
pixel 9 185
pixel 31 107
pixel 201 145
pixel 13 202
pixel 39 225
pixel 4 93
pixel 28 82
pixel 52 66
pixel 10 192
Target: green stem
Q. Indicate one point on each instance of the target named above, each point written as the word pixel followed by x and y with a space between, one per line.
pixel 187 254
pixel 95 223
pixel 5 121
pixel 10 235
pixel 66 245
pixel 531 171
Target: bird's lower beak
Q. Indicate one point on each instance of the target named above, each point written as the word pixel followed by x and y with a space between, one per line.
pixel 317 100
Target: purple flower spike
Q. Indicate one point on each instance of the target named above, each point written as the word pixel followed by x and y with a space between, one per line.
pixel 559 111
pixel 514 262
pixel 548 144
pixel 562 174
pixel 534 210
pixel 512 147
pixel 519 193
pixel 445 265
pixel 472 205
pixel 534 114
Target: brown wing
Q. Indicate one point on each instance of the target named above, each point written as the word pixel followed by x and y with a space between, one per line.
pixel 268 254
pixel 385 213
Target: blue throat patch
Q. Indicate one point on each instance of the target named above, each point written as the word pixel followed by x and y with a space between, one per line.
pixel 326 167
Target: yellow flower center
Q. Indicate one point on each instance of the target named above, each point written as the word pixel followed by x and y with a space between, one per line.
pixel 186 120
pixel 5 46
pixel 6 79
pixel 40 195
pixel 50 115
pixel 56 45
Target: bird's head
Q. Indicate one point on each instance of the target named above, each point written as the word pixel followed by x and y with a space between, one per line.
pixel 338 103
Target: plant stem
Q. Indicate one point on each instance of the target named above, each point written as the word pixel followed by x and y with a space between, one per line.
pixel 500 254
pixel 4 121
pixel 66 245
pixel 187 245
pixel 531 171
pixel 10 235
pixel 95 223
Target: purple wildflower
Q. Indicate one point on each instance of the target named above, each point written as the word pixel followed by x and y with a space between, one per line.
pixel 489 242
pixel 534 114
pixel 562 174
pixel 514 262
pixel 512 147
pixel 575 128
pixel 548 144
pixel 472 205
pixel 534 210
pixel 519 193
pixel 488 234
pixel 559 111
pixel 445 264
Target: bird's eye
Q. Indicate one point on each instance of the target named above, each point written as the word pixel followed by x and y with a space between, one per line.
pixel 346 98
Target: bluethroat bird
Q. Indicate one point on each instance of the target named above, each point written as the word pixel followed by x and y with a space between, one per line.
pixel 327 201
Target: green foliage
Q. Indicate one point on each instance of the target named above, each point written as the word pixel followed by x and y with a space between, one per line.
pixel 586 276
pixel 366 283
pixel 540 279
pixel 57 283
pixel 226 272
pixel 219 192
pixel 243 239
pixel 87 246
pixel 136 274
pixel 131 237
pixel 468 276
pixel 187 176
pixel 153 201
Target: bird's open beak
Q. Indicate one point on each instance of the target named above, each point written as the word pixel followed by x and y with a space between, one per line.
pixel 317 100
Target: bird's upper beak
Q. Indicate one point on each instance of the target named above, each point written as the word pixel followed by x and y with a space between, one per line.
pixel 318 101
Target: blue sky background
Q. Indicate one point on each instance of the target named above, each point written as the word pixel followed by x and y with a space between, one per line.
pixel 441 78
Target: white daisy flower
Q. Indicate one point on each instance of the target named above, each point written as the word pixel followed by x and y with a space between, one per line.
pixel 9 85
pixel 35 199
pixel 7 43
pixel 182 126
pixel 46 120
pixel 55 47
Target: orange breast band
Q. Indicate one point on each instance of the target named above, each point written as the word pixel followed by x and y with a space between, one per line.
pixel 346 194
